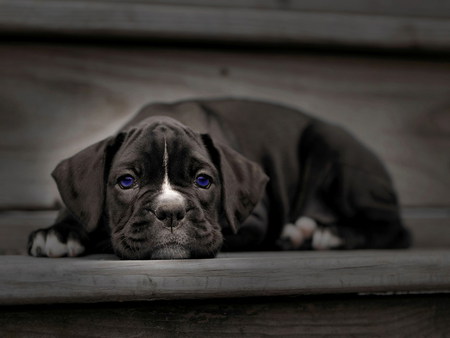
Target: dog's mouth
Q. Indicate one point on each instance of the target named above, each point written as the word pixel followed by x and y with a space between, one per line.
pixel 168 251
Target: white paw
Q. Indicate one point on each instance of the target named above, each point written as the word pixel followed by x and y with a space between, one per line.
pixel 46 243
pixel 324 239
pixel 305 228
pixel 293 235
pixel 297 233
pixel 306 225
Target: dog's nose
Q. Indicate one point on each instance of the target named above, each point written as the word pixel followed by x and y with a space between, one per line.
pixel 170 212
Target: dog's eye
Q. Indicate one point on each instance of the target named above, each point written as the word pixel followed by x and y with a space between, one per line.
pixel 126 181
pixel 203 181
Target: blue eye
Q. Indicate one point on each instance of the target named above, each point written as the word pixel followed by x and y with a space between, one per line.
pixel 203 181
pixel 126 181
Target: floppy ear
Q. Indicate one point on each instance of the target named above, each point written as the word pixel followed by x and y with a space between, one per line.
pixel 243 181
pixel 81 180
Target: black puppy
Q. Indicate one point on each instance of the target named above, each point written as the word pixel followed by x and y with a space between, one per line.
pixel 184 180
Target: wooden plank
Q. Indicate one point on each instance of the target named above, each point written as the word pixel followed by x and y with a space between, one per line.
pixel 31 280
pixel 431 8
pixel 55 100
pixel 225 23
pixel 349 316
pixel 428 231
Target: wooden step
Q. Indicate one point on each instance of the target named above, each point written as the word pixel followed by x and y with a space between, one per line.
pixel 104 278
pixel 385 24
pixel 306 316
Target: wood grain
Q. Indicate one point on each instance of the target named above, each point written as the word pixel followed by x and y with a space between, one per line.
pixel 331 316
pixel 55 100
pixel 31 280
pixel 432 8
pixel 278 22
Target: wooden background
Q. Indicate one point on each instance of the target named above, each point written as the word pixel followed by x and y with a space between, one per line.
pixel 62 88
pixel 400 24
pixel 55 100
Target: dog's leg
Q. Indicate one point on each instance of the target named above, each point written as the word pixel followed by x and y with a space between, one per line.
pixel 65 238
pixel 306 230
pixel 251 233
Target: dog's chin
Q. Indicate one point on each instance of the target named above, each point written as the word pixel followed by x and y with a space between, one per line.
pixel 171 252
pixel 166 252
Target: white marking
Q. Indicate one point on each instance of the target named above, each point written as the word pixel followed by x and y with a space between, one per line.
pixel 306 225
pixel 167 193
pixel 323 239
pixel 47 244
pixel 306 228
pixel 74 248
pixel 299 232
pixel 53 247
pixel 293 234
pixel 37 249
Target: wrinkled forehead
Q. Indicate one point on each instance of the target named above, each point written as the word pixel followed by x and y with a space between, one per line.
pixel 151 140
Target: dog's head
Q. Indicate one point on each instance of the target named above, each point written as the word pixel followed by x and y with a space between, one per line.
pixel 164 190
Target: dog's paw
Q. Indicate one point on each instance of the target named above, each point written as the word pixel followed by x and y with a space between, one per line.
pixel 324 239
pixel 295 235
pixel 51 243
pixel 305 229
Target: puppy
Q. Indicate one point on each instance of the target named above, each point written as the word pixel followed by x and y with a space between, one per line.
pixel 188 179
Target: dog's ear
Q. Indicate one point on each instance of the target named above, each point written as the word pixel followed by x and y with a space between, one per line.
pixel 243 181
pixel 81 180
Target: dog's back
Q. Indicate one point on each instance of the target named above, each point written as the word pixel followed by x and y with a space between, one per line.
pixel 316 169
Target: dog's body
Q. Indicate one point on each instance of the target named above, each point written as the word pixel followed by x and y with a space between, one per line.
pixel 184 180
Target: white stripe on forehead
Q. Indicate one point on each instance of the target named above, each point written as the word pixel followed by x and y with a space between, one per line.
pixel 167 193
pixel 165 160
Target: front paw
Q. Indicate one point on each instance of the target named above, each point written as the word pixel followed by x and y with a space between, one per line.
pixel 52 242
pixel 307 231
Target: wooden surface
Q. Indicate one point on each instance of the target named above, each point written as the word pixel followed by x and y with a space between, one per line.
pixel 31 280
pixel 331 316
pixel 55 100
pixel 402 24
